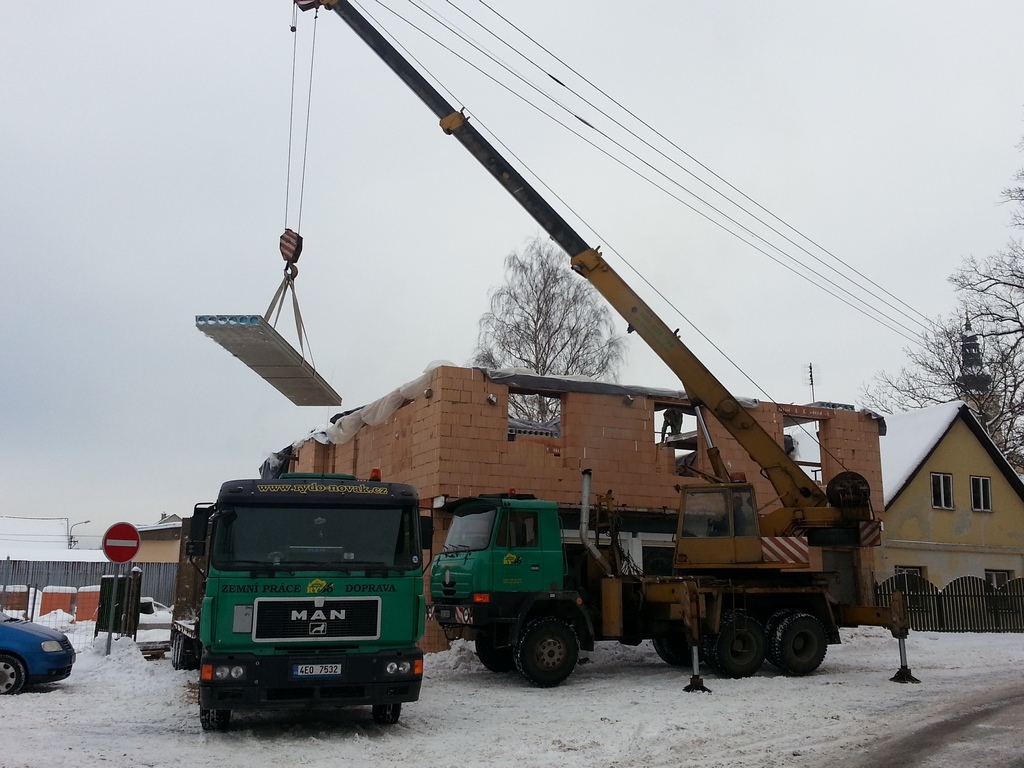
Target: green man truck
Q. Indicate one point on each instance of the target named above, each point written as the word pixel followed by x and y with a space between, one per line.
pixel 302 591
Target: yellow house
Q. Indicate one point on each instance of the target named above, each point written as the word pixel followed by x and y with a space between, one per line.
pixel 954 506
pixel 160 543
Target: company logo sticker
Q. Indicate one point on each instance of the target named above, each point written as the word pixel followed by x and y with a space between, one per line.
pixel 319 587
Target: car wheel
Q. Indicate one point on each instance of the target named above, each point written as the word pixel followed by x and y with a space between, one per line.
pixel 12 674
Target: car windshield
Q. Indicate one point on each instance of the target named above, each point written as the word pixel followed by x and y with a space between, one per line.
pixel 316 537
pixel 470 530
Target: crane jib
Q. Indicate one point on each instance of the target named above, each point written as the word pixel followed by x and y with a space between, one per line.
pixel 794 487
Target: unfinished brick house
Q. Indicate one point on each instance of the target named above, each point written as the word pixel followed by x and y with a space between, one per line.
pixel 448 433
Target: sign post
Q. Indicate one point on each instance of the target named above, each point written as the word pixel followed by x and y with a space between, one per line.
pixel 120 544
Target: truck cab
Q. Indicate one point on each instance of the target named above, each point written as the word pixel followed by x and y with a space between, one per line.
pixel 311 595
pixel 501 570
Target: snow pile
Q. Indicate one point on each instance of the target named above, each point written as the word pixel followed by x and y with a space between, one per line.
pixel 622 708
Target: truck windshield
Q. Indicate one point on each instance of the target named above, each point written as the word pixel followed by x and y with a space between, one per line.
pixel 470 530
pixel 321 538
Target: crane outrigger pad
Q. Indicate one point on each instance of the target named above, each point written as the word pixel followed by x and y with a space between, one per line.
pixel 256 343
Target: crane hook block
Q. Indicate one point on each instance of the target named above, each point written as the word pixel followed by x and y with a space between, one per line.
pixel 291 246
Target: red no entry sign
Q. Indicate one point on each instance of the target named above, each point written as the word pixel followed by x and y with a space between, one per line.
pixel 121 542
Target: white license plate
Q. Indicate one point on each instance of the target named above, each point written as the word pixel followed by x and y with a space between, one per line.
pixel 316 670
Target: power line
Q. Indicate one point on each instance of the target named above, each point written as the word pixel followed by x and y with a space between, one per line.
pixel 910 335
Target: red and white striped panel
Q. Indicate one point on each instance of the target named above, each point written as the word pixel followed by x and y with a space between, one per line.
pixel 870 533
pixel 785 549
pixel 464 615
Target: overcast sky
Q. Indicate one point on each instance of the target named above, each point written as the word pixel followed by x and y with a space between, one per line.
pixel 143 156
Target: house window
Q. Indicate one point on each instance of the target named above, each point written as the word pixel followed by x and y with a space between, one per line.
pixel 997 579
pixel 912 570
pixel 981 494
pixel 942 490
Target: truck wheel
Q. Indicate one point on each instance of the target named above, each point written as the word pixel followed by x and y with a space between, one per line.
pixel 673 650
pixel 175 650
pixel 214 719
pixel 706 650
pixel 771 630
pixel 12 674
pixel 387 714
pixel 546 651
pixel 741 645
pixel 188 658
pixel 495 659
pixel 800 644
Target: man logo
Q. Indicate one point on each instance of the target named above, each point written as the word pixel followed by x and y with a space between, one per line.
pixel 334 614
pixel 320 628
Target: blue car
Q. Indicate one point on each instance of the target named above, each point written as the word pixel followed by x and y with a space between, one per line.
pixel 31 654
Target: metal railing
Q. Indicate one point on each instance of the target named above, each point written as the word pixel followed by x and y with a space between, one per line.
pixel 65 595
pixel 966 604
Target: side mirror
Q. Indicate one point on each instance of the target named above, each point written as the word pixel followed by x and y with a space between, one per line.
pixel 427 532
pixel 195 548
pixel 196 544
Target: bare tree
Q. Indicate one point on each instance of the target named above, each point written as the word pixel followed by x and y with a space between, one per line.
pixel 549 320
pixel 992 386
pixel 993 290
pixel 976 355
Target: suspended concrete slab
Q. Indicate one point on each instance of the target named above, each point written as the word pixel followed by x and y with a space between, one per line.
pixel 254 341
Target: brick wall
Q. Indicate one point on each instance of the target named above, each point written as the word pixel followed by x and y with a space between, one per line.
pixel 455 444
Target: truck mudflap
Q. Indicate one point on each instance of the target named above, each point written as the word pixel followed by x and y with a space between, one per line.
pixel 248 681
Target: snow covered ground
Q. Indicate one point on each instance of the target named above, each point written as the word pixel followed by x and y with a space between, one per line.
pixel 621 708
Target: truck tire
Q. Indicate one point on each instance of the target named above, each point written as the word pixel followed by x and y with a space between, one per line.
pixel 214 719
pixel 387 714
pixel 497 660
pixel 12 674
pixel 771 629
pixel 740 646
pixel 546 651
pixel 706 650
pixel 189 653
pixel 673 650
pixel 183 652
pixel 800 644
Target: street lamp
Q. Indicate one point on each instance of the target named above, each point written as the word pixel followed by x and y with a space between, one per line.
pixel 71 539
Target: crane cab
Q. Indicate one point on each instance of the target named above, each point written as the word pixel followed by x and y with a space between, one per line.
pixel 718 526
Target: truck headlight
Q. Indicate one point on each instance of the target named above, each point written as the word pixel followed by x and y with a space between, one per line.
pixel 223 672
pixel 398 667
pixel 51 646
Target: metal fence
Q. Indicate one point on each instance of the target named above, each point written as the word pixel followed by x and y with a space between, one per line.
pixel 66 595
pixel 966 604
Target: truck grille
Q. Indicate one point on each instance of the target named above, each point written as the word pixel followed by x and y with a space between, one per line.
pixel 316 620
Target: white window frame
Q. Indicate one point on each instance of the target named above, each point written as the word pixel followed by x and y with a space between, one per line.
pixel 911 570
pixel 981 493
pixel 946 490
pixel 997 578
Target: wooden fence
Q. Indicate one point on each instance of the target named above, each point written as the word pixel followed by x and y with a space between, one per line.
pixel 967 604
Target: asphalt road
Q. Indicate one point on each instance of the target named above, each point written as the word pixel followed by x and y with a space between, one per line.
pixel 985 732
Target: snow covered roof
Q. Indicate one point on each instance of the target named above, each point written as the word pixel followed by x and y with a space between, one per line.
pixel 38 554
pixel 911 438
pixel 33 532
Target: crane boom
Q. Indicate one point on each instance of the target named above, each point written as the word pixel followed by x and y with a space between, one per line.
pixel 794 487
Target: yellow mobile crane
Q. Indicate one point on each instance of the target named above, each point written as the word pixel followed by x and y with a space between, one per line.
pixel 718 555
